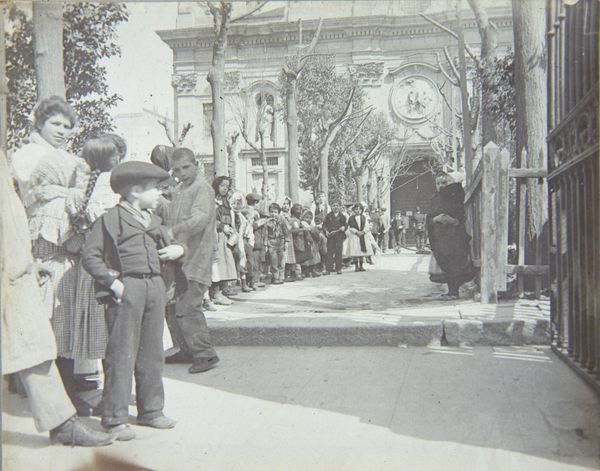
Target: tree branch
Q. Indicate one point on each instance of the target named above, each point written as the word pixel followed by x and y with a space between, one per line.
pixel 347 109
pixel 163 123
pixel 451 33
pixel 184 132
pixel 445 98
pixel 356 134
pixel 251 12
pixel 248 141
pixel 452 80
pixel 439 25
pixel 451 63
pixel 309 47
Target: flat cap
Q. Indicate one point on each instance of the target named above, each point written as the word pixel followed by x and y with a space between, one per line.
pixel 134 172
pixel 253 197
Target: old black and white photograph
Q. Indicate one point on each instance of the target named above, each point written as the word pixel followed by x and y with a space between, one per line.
pixel 297 235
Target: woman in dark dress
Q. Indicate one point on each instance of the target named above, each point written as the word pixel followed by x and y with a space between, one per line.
pixel 447 236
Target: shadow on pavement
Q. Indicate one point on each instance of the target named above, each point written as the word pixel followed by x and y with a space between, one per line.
pixel 522 401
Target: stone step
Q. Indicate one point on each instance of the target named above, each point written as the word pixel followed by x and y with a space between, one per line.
pixel 467 324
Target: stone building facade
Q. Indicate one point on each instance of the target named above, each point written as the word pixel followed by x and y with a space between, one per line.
pixel 395 54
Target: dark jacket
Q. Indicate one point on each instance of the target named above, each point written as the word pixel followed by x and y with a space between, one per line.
pixel 450 242
pixel 333 222
pixel 100 255
pixel 276 233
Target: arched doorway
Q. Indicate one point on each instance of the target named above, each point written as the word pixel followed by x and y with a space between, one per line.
pixel 414 188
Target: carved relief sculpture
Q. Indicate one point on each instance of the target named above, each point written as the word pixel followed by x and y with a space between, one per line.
pixel 414 99
pixel 367 74
pixel 184 83
pixel 232 81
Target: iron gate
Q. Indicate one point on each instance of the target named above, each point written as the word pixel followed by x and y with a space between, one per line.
pixel 573 181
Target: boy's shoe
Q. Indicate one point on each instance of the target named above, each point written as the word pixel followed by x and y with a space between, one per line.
pixel 221 299
pixel 339 272
pixel 277 282
pixel 208 305
pixel 82 384
pixel 178 357
pixel 75 433
pixel 325 273
pixel 245 287
pixel 162 422
pixel 288 279
pixel 259 284
pixel 121 432
pixel 202 365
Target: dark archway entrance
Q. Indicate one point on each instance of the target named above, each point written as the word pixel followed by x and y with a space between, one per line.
pixel 414 188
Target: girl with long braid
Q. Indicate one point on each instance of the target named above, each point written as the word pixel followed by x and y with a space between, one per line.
pixel 90 333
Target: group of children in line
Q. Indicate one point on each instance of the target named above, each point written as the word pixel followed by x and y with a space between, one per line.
pixel 288 242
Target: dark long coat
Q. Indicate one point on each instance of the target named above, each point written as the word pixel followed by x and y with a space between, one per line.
pixel 450 243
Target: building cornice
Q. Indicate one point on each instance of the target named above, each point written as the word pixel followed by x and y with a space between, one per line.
pixel 333 29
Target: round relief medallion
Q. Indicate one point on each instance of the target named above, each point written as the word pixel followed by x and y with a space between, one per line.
pixel 414 99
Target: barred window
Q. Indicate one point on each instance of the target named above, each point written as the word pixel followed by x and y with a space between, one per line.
pixel 271 161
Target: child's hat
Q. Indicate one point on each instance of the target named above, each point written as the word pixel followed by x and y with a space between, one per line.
pixel 253 198
pixel 135 173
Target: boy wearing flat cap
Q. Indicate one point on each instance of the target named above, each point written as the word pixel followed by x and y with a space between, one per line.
pixel 256 257
pixel 123 253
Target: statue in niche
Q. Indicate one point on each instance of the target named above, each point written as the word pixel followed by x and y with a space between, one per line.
pixel 265 117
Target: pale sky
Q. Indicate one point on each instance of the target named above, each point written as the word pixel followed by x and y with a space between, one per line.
pixel 142 75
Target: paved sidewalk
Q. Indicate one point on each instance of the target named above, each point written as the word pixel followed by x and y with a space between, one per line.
pixel 350 408
pixel 393 303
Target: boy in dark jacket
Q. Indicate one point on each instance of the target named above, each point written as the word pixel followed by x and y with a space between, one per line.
pixel 334 226
pixel 275 242
pixel 123 253
pixel 258 252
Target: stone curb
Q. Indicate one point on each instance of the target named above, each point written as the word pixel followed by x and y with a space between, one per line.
pixel 496 332
pixel 461 332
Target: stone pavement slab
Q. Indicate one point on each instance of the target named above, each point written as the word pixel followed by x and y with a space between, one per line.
pixel 393 303
pixel 351 408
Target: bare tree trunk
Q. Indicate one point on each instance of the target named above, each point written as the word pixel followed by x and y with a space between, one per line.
pixel 360 194
pixel 333 129
pixel 531 122
pixel 221 14
pixel 378 189
pixel 292 133
pixel 3 86
pixel 324 161
pixel 232 157
pixel 292 68
pixel 370 176
pixel 216 78
pixel 48 47
pixel 464 95
pixel 489 45
pixel 264 188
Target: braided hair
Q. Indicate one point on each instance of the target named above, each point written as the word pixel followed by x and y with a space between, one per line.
pixel 101 154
